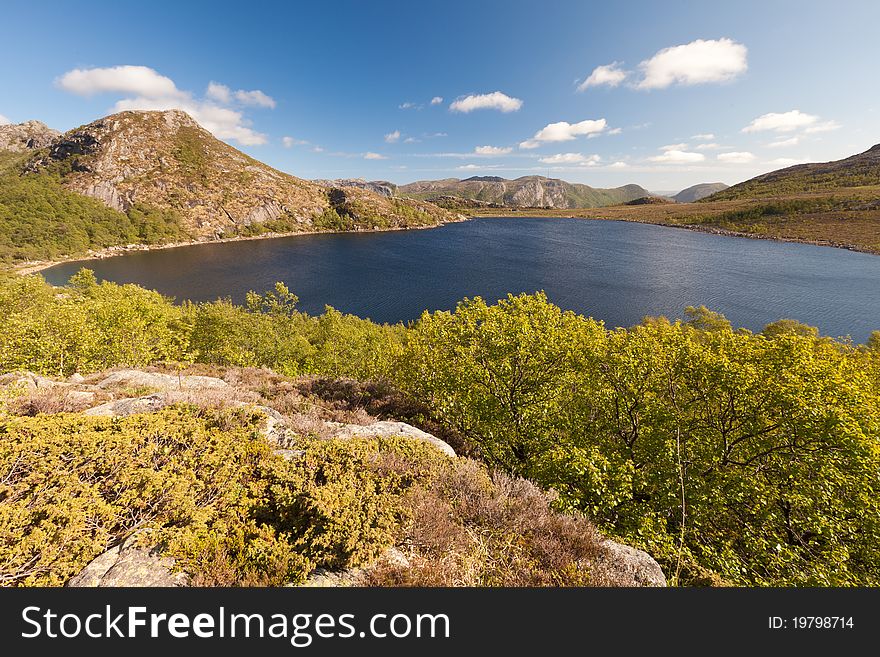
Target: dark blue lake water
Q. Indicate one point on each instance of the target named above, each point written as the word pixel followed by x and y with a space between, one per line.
pixel 615 271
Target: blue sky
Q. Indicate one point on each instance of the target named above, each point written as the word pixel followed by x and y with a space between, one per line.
pixel 679 92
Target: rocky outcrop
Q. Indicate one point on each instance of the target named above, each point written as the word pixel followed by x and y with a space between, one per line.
pixel 321 577
pixel 622 565
pixel 696 192
pixel 140 379
pixel 27 136
pixel 387 428
pixel 380 187
pixel 129 406
pixel 130 564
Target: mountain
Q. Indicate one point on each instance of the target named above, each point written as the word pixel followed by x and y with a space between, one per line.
pixel 159 177
pixel 528 191
pixel 696 192
pixel 855 171
pixel 26 136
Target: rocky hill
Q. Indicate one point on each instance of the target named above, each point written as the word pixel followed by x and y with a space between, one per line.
pixel 167 161
pixel 26 136
pixel 696 192
pixel 527 191
pixel 858 170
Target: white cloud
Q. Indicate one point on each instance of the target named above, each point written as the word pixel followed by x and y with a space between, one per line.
pixel 704 136
pixel 495 100
pixel 736 157
pixel 436 100
pixel 571 158
pixel 139 80
pixel 408 105
pixel 613 131
pixel 609 75
pixel 392 137
pixel 787 161
pixel 411 140
pixel 290 142
pixel 433 135
pixel 784 143
pixel 618 165
pixel 148 90
pixel 564 131
pixel 317 149
pixel 491 150
pixel 4 120
pixel 781 121
pixel 825 126
pixel 674 147
pixel 255 97
pixel 697 62
pixel 678 157
pixel 476 167
pixel 374 156
pixel 711 146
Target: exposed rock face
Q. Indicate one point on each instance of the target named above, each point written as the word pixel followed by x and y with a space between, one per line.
pixel 622 565
pixel 27 136
pixel 129 565
pixel 166 160
pixel 380 187
pixel 389 428
pixel 528 191
pixel 27 380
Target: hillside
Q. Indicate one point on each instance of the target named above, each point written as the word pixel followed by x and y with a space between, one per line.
pixel 380 187
pixel 159 177
pixel 858 170
pixel 697 192
pixel 527 191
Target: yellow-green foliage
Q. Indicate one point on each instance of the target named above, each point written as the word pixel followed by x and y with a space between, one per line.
pixel 749 458
pixel 209 487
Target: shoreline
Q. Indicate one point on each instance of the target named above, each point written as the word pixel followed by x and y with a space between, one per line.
pixel 34 267
pixel 711 230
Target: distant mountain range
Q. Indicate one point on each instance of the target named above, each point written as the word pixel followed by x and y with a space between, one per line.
pixel 528 191
pixel 696 192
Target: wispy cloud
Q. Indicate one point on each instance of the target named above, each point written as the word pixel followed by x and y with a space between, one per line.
pixel 374 156
pixel 290 142
pixel 784 143
pixel 436 100
pixel 608 75
pixel 492 151
pixel 494 101
pixel 704 136
pixel 392 137
pixel 571 158
pixel 736 157
pixel 4 120
pixel 781 122
pixel 674 156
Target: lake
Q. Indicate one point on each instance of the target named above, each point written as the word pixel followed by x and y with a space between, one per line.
pixel 615 271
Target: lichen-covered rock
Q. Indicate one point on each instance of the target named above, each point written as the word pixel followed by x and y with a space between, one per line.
pixel 129 564
pixel 27 381
pixel 390 428
pixel 622 565
pixel 27 136
pixel 130 406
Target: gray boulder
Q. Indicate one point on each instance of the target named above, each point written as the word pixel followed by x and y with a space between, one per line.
pixel 322 577
pixel 129 565
pixel 622 565
pixel 390 428
pixel 130 406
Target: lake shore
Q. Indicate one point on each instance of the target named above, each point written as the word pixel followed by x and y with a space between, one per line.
pixel 34 267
